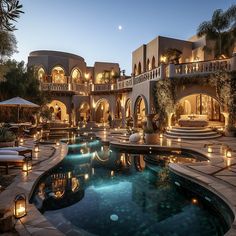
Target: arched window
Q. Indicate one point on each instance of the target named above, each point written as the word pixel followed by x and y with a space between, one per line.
pixel 139 68
pixel 42 75
pixel 148 65
pixel 76 76
pixel 58 75
pixel 153 63
pixel 135 70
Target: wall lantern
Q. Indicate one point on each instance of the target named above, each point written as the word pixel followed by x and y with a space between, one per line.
pixel 27 165
pixel 20 206
pixel 179 140
pixel 161 135
pixel 57 143
pixel 21 141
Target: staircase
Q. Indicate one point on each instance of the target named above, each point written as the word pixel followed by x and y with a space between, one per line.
pixel 194 133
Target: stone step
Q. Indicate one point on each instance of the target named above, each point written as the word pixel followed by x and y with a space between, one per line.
pixel 193 137
pixel 192 134
pixel 190 130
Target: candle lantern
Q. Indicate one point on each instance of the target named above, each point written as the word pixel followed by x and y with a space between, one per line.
pixel 229 152
pixel 21 141
pixel 161 135
pixel 36 148
pixel 209 149
pixel 20 206
pixel 57 143
pixel 27 166
pixel 179 140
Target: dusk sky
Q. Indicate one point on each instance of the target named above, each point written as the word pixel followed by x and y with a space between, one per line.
pixel 90 28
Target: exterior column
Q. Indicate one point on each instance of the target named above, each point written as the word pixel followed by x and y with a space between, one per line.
pixel 169 119
pixel 122 117
pixel 226 116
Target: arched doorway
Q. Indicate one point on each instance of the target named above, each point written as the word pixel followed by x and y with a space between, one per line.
pixel 118 114
pixel 84 112
pixel 139 68
pixel 101 111
pixel 128 108
pixel 200 104
pixel 58 75
pixel 153 63
pixel 59 111
pixel 140 111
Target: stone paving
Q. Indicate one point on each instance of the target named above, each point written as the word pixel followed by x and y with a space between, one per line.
pixel 218 174
pixel 34 223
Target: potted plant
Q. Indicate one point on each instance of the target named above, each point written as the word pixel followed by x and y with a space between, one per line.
pixel 7 137
pixel 150 134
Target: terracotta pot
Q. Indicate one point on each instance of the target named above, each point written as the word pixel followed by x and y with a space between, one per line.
pixel 7 144
pixel 151 138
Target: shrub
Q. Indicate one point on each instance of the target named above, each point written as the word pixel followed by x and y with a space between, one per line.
pixel 6 135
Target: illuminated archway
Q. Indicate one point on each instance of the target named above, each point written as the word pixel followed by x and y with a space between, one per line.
pixel 84 112
pixel 135 70
pixel 76 76
pixel 201 104
pixel 140 110
pixel 59 111
pixel 118 114
pixel 128 108
pixel 58 75
pixel 148 65
pixel 101 110
pixel 42 75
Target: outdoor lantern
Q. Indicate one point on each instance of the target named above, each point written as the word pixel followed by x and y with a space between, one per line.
pixel 209 149
pixel 229 152
pixel 21 140
pixel 57 143
pixel 161 135
pixel 20 206
pixel 36 148
pixel 27 166
pixel 179 140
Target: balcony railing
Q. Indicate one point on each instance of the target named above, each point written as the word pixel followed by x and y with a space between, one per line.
pixel 125 84
pixel 55 87
pixel 202 67
pixel 154 74
pixel 103 87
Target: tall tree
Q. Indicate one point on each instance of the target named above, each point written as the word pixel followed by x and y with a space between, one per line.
pixel 218 29
pixel 10 11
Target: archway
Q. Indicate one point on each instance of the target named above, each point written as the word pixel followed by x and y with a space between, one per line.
pixel 200 105
pixel 101 111
pixel 153 62
pixel 140 110
pixel 118 114
pixel 83 112
pixel 128 108
pixel 135 70
pixel 58 75
pixel 59 111
pixel 148 65
pixel 76 76
pixel 42 75
pixel 139 68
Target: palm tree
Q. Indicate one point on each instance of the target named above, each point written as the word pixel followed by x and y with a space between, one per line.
pixel 218 29
pixel 10 10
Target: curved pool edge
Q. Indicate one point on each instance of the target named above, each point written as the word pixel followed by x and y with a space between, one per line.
pixel 213 185
pixel 34 222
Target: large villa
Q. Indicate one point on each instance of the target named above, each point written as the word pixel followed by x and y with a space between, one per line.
pixel 146 154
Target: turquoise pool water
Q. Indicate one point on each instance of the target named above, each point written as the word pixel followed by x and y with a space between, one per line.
pixel 98 191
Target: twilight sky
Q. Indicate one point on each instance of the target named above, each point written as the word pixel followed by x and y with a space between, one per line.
pixel 107 30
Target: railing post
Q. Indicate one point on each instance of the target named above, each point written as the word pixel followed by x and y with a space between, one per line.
pixel 162 71
pixel 171 70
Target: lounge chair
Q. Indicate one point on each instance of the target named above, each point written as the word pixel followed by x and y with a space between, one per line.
pixel 16 160
pixel 8 152
pixel 21 150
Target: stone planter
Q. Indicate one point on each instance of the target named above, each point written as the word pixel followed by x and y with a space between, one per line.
pixel 7 144
pixel 151 138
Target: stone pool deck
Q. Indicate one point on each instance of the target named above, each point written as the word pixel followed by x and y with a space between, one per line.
pixel 34 223
pixel 218 175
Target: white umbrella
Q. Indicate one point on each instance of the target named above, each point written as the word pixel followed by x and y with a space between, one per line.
pixel 18 102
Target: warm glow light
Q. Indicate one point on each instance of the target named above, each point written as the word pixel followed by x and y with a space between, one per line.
pixel 228 153
pixel 163 59
pixel 36 148
pixel 57 143
pixel 86 176
pixel 179 140
pixel 112 173
pixel 194 201
pixel 21 140
pixel 20 206
pixel 209 149
pixel 161 135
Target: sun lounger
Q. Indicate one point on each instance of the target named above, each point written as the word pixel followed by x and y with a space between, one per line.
pixel 16 160
pixel 21 150
pixel 8 152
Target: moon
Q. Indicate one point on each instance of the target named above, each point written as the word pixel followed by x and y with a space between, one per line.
pixel 120 27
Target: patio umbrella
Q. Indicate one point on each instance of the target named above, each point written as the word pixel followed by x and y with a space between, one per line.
pixel 18 102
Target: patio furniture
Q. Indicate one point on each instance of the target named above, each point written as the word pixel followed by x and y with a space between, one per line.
pixel 8 152
pixel 7 160
pixel 193 120
pixel 23 151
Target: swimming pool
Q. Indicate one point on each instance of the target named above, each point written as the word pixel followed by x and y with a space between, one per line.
pixel 102 191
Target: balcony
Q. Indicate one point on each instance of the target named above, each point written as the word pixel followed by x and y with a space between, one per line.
pixel 201 67
pixel 103 87
pixel 55 87
pixel 125 84
pixel 154 74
